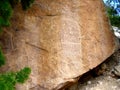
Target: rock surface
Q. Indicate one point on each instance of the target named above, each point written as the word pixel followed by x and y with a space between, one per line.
pixel 60 40
pixel 99 83
pixel 108 80
pixel 116 70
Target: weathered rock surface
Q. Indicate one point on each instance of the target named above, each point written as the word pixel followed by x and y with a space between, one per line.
pixel 116 70
pixel 60 40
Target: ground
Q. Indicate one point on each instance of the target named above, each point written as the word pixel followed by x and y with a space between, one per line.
pixel 105 77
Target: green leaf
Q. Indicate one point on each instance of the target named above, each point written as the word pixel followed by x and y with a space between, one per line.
pixel 5 10
pixel 23 75
pixel 9 79
pixel 2 58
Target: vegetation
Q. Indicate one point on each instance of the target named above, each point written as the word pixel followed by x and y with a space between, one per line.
pixel 9 79
pixel 6 9
pixel 113 14
pixel 114 19
pixel 2 58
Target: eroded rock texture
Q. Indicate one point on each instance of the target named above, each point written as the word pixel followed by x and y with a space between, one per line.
pixel 59 39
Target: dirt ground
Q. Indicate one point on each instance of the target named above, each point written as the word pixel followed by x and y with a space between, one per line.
pixel 105 77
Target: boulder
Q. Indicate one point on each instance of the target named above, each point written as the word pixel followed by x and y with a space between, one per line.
pixel 59 40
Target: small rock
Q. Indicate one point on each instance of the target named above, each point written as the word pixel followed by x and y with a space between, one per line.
pixel 116 70
pixel 89 82
pixel 100 83
pixel 116 31
pixel 118 80
pixel 114 87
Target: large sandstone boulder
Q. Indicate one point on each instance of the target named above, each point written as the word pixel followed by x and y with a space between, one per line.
pixel 59 39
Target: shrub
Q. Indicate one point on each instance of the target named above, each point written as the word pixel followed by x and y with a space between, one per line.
pixel 9 79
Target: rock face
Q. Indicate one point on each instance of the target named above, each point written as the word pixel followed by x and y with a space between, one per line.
pixel 59 39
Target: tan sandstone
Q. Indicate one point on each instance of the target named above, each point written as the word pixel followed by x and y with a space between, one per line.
pixel 59 39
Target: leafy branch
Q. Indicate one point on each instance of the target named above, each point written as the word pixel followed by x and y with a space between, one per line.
pixel 8 80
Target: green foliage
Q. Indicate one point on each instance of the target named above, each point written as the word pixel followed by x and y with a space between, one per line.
pixel 2 58
pixel 13 3
pixel 6 10
pixel 26 4
pixel 114 19
pixel 8 80
pixel 111 11
pixel 5 13
pixel 23 75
